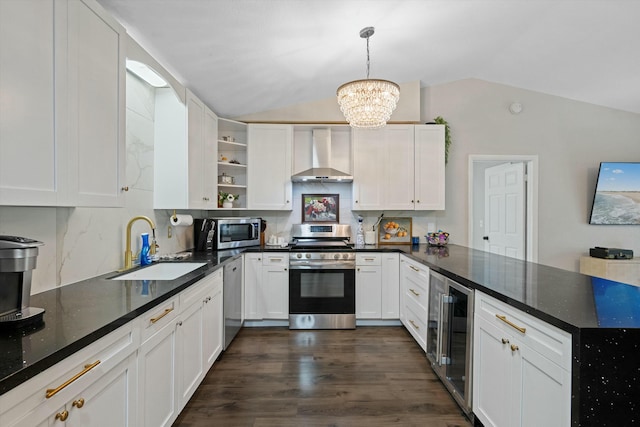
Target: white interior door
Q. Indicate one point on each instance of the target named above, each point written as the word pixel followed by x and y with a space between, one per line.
pixel 505 202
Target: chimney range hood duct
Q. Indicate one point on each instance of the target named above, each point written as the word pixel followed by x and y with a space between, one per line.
pixel 322 170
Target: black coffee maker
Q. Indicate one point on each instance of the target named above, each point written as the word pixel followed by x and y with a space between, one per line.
pixel 17 261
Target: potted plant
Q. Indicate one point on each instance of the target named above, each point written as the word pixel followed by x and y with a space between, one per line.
pixel 225 200
pixel 447 136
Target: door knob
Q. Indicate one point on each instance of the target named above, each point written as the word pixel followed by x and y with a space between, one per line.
pixel 485 237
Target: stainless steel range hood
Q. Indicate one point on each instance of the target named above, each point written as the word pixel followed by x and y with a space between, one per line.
pixel 322 170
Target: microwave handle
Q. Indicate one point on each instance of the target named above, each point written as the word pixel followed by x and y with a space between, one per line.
pixel 256 233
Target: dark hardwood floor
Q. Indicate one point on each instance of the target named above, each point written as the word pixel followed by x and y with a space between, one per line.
pixel 370 376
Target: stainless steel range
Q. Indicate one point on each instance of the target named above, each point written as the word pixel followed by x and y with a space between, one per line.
pixel 322 277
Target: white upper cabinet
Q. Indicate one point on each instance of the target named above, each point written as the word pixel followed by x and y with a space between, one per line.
pixel 185 152
pixel 62 79
pixel 399 167
pixel 429 167
pixel 95 80
pixel 368 169
pixel 27 141
pixel 269 167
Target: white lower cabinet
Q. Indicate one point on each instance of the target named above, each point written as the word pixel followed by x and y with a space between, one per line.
pixel 390 285
pixel 157 388
pixel 274 289
pixel 521 368
pixel 414 298
pixel 252 282
pixel 368 286
pixel 94 387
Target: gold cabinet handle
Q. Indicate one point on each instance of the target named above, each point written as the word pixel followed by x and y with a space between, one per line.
pixel 53 391
pixel 414 269
pixel 414 325
pixel 513 325
pixel 78 403
pixel 514 347
pixel 126 188
pixel 505 341
pixel 414 292
pixel 164 313
pixel 369 259
pixel 62 416
pixel 275 259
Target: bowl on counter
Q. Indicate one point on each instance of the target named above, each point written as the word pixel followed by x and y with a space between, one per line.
pixel 439 238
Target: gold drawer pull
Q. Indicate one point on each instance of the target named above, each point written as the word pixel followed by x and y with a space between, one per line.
pixel 414 292
pixel 414 325
pixel 78 403
pixel 164 313
pixel 62 416
pixel 505 341
pixel 513 325
pixel 369 259
pixel 414 269
pixel 514 347
pixel 275 259
pixel 53 391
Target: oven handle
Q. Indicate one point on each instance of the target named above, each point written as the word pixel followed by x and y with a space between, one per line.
pixel 322 265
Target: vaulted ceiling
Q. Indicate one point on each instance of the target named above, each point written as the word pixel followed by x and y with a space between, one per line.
pixel 247 56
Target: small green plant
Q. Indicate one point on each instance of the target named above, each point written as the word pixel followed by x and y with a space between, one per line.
pixel 447 137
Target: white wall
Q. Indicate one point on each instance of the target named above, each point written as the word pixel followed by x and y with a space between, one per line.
pixel 571 138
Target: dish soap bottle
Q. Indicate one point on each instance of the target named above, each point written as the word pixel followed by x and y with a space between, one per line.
pixel 145 257
pixel 360 233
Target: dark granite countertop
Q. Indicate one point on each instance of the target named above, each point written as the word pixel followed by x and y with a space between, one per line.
pixel 597 312
pixel 78 314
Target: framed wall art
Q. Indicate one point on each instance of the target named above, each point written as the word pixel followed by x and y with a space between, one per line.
pixel 320 208
pixel 394 231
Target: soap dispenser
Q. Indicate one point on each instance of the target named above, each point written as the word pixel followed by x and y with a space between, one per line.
pixel 145 256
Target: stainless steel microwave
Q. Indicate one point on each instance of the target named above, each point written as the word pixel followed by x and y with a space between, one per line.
pixel 213 234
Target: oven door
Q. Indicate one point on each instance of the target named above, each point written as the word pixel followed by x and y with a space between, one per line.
pixel 323 291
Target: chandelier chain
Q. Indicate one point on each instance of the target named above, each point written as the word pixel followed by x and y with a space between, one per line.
pixel 368 61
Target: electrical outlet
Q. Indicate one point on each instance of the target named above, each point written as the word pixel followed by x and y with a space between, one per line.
pixel 169 232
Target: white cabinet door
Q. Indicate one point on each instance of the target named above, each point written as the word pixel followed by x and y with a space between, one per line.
pixel 109 401
pixel 27 113
pixel 190 364
pixel 202 136
pixel 429 167
pixel 399 163
pixel 368 292
pixel 269 166
pixel 275 286
pixel 543 389
pixel 369 169
pixel 390 286
pixel 213 321
pixel 95 72
pixel 157 393
pixel 493 378
pixel 252 284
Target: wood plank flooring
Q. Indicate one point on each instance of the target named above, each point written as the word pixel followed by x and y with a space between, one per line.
pixel 370 376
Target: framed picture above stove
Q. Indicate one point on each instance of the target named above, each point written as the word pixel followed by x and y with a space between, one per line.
pixel 318 208
pixel 395 231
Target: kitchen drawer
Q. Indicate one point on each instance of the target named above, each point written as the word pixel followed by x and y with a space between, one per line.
pixel 368 259
pixel 546 339
pixel 278 258
pixel 416 292
pixel 416 322
pixel 155 319
pixel 64 380
pixel 200 290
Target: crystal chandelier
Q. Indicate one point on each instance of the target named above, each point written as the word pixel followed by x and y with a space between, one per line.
pixel 368 103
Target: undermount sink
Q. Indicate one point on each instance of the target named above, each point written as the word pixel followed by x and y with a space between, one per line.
pixel 162 271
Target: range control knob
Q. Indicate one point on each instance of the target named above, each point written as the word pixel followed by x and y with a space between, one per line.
pixel 345 256
pixel 298 255
pixel 307 255
pixel 336 256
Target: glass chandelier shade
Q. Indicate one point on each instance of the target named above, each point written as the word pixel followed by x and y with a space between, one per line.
pixel 368 103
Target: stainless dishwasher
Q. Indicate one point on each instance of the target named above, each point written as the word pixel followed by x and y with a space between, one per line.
pixel 232 296
pixel 450 336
